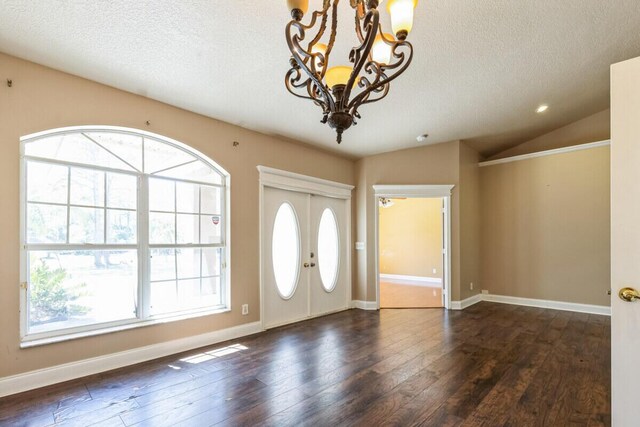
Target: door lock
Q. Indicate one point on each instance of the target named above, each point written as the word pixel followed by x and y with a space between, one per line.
pixel 305 265
pixel 629 294
pixel 313 264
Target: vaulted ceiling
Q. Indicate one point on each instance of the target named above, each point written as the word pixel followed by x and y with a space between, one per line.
pixel 480 68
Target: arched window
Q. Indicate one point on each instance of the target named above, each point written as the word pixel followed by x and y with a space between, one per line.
pixel 119 227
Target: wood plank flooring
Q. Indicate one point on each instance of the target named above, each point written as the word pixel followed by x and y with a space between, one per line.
pixel 489 365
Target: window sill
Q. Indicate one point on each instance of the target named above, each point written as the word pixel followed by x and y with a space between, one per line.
pixel 39 339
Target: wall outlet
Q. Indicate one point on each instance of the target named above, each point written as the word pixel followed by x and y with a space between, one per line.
pixel 245 309
pixel 485 292
pixel 434 271
pixel 471 285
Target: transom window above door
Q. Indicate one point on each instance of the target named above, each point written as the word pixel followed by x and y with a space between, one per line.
pixel 120 228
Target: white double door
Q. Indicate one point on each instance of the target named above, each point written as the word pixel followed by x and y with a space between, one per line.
pixel 304 256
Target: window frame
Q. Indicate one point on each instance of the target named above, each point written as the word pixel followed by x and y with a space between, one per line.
pixel 142 316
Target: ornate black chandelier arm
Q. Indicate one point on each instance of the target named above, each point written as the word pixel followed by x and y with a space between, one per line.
pixel 380 91
pixel 300 62
pixel 323 24
pixel 381 77
pixel 332 37
pixel 359 56
pixel 293 81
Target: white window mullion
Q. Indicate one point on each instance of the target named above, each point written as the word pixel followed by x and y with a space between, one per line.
pixel 68 202
pixel 104 218
pixel 144 260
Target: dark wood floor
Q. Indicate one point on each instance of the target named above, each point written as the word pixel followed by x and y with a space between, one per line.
pixel 488 365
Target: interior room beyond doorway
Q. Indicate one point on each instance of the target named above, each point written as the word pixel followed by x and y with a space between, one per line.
pixel 411 241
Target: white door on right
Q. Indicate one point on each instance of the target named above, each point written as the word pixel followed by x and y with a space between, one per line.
pixel 625 242
pixel 329 284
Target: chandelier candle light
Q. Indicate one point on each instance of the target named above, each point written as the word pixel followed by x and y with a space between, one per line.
pixel 380 58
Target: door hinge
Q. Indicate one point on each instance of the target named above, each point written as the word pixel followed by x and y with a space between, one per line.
pixel 23 285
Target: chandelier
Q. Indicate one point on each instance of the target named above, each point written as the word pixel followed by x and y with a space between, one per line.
pixel 341 90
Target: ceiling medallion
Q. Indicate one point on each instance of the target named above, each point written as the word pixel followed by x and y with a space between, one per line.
pixel 380 58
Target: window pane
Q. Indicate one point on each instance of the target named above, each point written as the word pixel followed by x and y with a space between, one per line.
pixel 87 187
pixel 189 293
pixel 285 250
pixel 46 183
pixel 163 264
pixel 188 228
pixel 211 200
pixel 188 197
pixel 76 288
pixel 74 147
pixel 188 263
pixel 86 225
pixel 211 261
pixel 162 195
pixel 161 228
pixel 196 171
pixel 164 296
pixel 46 223
pixel 121 227
pixel 127 147
pixel 169 297
pixel 211 286
pixel 328 250
pixel 160 155
pixel 122 191
pixel 210 229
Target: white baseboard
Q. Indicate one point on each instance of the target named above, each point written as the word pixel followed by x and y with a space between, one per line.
pixel 461 305
pixel 69 371
pixel 364 305
pixel 555 305
pixel 430 282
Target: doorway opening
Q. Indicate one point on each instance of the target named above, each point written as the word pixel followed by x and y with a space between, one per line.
pixel 413 234
pixel 411 252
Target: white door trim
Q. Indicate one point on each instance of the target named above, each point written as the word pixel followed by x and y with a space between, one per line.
pixel 291 181
pixel 417 191
pixel 285 180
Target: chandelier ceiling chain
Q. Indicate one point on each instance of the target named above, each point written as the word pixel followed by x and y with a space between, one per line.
pixel 341 90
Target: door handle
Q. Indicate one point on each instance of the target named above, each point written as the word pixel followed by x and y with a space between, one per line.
pixel 629 294
pixel 313 264
pixel 306 265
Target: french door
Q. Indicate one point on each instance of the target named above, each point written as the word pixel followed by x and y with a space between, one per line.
pixel 304 256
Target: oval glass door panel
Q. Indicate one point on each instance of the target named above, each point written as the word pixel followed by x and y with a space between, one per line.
pixel 285 250
pixel 328 250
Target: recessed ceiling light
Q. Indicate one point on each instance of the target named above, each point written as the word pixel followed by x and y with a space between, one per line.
pixel 542 108
pixel 422 137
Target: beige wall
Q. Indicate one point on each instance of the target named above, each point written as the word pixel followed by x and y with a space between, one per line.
pixel 410 237
pixel 469 222
pixel 596 127
pixel 438 164
pixel 42 99
pixel 545 227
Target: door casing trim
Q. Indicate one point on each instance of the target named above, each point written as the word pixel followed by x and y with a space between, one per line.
pixel 417 191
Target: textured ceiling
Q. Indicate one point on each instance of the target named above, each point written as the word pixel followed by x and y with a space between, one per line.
pixel 480 67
